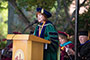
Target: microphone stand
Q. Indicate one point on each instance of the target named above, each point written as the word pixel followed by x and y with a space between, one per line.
pixel 29 26
pixel 26 28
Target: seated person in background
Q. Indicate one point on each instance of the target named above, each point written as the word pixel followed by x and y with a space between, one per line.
pixel 65 44
pixel 7 52
pixel 84 48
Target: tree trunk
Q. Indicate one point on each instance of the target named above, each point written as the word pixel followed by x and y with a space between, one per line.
pixel 10 17
pixel 19 11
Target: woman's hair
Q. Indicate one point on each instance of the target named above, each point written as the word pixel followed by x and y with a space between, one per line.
pixel 64 37
pixel 42 14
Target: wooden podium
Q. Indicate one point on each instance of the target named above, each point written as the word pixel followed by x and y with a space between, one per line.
pixel 27 47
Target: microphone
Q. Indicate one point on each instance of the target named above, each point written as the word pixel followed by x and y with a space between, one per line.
pixel 34 22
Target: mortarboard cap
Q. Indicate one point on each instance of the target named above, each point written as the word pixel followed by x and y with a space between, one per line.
pixel 41 10
pixel 64 34
pixel 83 33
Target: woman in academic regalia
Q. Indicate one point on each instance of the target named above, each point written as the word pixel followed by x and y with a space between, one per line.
pixel 65 45
pixel 46 30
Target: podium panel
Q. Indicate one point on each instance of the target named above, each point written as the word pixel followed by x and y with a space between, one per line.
pixel 27 47
pixel 20 50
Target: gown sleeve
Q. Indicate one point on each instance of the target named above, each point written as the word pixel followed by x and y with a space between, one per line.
pixel 52 35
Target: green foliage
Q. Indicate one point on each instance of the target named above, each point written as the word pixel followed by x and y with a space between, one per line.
pixel 3 20
pixel 51 5
pixel 28 4
pixel 2 44
pixel 68 2
pixel 62 18
pixel 3 5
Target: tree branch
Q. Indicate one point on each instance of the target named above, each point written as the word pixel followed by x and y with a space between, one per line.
pixel 73 14
pixel 83 3
pixel 19 11
pixel 67 14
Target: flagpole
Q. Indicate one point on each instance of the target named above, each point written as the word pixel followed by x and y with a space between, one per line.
pixel 76 29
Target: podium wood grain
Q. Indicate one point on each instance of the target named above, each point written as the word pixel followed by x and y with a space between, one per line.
pixel 31 46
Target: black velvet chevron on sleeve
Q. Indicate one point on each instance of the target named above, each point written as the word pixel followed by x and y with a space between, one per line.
pixel 54 41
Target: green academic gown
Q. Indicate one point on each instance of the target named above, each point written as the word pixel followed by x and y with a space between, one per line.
pixel 48 32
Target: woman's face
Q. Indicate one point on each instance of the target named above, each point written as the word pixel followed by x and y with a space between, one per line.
pixel 61 40
pixel 40 17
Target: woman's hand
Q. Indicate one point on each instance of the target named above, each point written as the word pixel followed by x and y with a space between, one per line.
pixel 70 51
